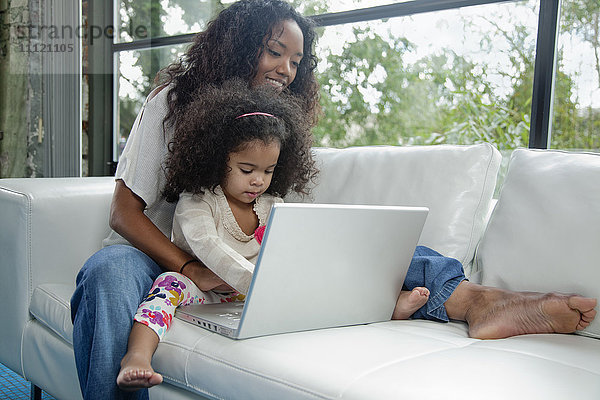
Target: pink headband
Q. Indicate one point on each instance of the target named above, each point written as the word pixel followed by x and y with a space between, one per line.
pixel 255 113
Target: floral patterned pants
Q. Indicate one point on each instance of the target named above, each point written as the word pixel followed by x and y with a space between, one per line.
pixel 169 291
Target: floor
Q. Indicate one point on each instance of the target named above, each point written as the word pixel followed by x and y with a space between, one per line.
pixel 13 387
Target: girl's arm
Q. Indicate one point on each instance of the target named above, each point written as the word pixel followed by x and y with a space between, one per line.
pixel 127 218
pixel 194 224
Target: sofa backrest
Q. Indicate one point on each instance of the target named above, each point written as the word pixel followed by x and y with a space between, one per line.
pixel 455 182
pixel 48 228
pixel 544 233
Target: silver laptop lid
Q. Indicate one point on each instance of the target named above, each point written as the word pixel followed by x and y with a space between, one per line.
pixel 324 265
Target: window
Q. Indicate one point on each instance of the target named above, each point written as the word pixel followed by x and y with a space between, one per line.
pixel 403 72
pixel 576 107
pixel 136 71
pixel 137 20
pixel 457 76
pixel 149 36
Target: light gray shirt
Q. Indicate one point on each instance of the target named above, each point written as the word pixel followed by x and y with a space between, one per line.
pixel 141 163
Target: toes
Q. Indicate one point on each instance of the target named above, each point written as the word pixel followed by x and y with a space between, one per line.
pixel 588 316
pixel 585 307
pixel 131 375
pixel 136 377
pixel 418 296
pixel 155 379
pixel 582 304
pixel 582 325
pixel 422 291
pixel 128 375
pixel 137 374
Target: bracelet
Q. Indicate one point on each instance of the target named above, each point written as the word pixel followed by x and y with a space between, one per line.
pixel 186 263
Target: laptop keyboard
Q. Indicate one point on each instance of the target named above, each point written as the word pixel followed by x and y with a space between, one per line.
pixel 234 316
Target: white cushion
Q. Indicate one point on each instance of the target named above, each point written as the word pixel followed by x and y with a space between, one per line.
pixel 544 234
pixel 455 182
pixel 51 305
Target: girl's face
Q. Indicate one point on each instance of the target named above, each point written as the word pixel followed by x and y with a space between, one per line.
pixel 249 171
pixel 278 63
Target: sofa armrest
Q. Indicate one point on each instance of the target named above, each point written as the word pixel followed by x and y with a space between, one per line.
pixel 50 226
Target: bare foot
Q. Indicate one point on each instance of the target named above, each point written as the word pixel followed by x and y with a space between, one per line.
pixel 496 313
pixel 409 302
pixel 137 373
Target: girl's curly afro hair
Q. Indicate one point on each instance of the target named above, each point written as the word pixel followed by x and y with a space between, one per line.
pixel 208 131
pixel 231 46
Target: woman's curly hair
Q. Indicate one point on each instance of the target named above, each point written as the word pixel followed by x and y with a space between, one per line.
pixel 208 131
pixel 231 46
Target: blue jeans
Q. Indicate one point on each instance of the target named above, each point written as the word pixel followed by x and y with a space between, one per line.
pixel 441 275
pixel 110 287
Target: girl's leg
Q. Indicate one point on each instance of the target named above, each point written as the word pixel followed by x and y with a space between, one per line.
pixel 440 275
pixel 152 320
pixel 110 287
pixel 410 301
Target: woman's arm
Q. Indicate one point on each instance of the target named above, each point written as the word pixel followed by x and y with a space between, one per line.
pixel 127 218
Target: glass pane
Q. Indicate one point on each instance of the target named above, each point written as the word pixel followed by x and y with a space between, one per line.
pixel 576 107
pixel 459 76
pixel 136 72
pixel 156 18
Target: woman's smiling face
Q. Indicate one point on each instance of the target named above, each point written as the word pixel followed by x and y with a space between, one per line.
pixel 282 53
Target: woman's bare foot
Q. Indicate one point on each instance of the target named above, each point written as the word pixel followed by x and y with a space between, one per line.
pixel 409 302
pixel 495 313
pixel 137 373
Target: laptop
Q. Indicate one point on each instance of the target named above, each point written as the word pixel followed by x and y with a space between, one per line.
pixel 320 266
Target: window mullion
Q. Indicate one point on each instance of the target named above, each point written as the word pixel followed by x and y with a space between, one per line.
pixel 543 79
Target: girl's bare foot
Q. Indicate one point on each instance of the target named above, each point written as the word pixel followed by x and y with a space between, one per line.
pixel 136 369
pixel 495 313
pixel 409 302
pixel 137 373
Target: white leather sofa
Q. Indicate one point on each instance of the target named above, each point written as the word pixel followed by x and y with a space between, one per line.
pixel 543 235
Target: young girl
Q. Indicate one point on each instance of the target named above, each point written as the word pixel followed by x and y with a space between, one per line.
pixel 235 152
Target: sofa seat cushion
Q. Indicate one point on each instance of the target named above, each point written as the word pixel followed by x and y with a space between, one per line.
pixel 50 304
pixel 377 361
pixel 455 182
pixel 544 233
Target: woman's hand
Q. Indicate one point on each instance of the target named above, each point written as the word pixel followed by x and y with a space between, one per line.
pixel 204 278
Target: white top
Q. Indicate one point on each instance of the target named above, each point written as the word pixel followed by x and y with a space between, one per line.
pixel 141 163
pixel 204 225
